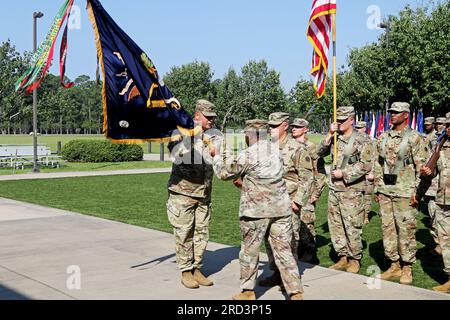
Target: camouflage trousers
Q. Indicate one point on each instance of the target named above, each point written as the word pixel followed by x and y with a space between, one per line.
pixel 399 225
pixel 443 230
pixel 295 241
pixel 279 230
pixel 307 227
pixel 432 207
pixel 345 221
pixel 190 219
pixel 368 198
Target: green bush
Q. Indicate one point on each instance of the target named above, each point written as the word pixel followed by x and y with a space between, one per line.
pixel 100 151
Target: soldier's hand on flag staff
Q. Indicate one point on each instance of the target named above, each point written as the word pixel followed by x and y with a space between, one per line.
pixel 334 127
pixel 414 201
pixel 425 172
pixel 337 174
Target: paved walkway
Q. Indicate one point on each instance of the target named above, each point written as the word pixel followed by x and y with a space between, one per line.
pixel 42 250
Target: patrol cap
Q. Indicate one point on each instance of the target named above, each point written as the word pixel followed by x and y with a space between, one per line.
pixel 343 113
pixel 255 125
pixel 277 118
pixel 299 122
pixel 441 120
pixel 429 120
pixel 360 124
pixel 448 118
pixel 206 108
pixel 399 107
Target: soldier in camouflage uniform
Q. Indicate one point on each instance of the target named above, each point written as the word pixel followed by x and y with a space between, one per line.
pixel 347 185
pixel 308 212
pixel 442 204
pixel 361 127
pixel 298 175
pixel 400 153
pixel 430 136
pixel 440 125
pixel 265 208
pixel 430 131
pixel 189 203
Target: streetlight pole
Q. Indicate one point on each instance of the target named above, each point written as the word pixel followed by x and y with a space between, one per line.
pixel 36 15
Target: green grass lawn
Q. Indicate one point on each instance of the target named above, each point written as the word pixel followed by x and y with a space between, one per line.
pixel 52 140
pixel 141 200
pixel 106 166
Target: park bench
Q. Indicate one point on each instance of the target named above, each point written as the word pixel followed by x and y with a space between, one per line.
pixel 20 156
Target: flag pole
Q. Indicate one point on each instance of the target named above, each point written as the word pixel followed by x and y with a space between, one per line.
pixel 333 17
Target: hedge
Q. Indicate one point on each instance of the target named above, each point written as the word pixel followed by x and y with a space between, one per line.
pixel 101 151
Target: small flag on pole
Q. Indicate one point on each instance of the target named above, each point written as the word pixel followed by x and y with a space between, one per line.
pixel 319 28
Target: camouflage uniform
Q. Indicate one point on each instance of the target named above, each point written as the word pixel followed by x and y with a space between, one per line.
pixel 430 197
pixel 370 185
pixel 346 196
pixel 398 218
pixel 308 212
pixel 265 207
pixel 189 203
pixel 442 202
pixel 298 175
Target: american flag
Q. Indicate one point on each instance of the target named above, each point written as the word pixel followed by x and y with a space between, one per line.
pixel 319 28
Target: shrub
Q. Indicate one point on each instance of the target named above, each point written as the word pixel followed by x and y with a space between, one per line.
pixel 100 151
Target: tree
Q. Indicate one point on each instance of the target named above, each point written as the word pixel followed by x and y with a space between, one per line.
pixel 262 91
pixel 191 82
pixel 12 66
pixel 414 67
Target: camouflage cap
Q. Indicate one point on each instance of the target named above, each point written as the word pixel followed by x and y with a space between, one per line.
pixel 441 120
pixel 343 113
pixel 360 124
pixel 255 125
pixel 399 107
pixel 448 118
pixel 299 122
pixel 429 120
pixel 205 107
pixel 277 118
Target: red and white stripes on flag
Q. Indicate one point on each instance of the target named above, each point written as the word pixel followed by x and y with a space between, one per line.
pixel 319 29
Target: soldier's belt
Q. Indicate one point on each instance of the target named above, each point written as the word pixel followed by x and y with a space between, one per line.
pixel 390 179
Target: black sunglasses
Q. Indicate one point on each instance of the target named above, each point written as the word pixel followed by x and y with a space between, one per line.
pixel 274 126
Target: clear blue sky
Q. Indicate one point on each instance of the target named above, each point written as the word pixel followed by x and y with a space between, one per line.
pixel 224 33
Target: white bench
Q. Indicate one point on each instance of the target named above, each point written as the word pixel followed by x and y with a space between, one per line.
pixel 18 156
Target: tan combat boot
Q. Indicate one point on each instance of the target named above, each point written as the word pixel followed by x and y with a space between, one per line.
pixel 393 273
pixel 444 287
pixel 187 280
pixel 271 281
pixel 245 295
pixel 201 279
pixel 296 296
pixel 340 265
pixel 353 266
pixel 407 277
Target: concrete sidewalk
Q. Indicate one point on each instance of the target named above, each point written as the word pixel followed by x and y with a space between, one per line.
pixel 42 249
